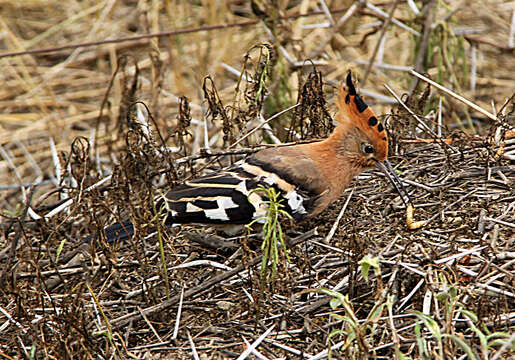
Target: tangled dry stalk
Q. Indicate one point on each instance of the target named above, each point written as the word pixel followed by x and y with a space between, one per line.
pixel 90 135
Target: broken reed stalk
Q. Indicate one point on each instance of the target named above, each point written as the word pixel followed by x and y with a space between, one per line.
pixel 454 95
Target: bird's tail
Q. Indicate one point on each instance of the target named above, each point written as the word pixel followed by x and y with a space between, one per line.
pixel 118 232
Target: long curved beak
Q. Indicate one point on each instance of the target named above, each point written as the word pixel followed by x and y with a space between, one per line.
pixel 387 169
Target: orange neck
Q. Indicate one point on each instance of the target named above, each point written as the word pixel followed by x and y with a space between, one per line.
pixel 334 165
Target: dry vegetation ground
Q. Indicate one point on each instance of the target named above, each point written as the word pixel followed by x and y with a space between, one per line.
pixel 68 121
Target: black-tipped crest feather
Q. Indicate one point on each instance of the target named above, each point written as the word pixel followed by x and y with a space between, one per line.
pixel 360 104
pixel 350 85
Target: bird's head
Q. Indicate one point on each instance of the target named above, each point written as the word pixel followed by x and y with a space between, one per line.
pixel 363 136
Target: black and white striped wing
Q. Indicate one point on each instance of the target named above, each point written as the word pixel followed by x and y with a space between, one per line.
pixel 216 199
pixel 227 197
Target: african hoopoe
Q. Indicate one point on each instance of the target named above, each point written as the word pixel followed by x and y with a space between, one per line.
pixel 308 177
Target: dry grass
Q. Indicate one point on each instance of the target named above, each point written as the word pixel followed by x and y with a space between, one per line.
pixel 64 126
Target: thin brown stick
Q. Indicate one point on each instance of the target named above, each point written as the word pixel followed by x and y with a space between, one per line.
pixel 378 44
pixel 350 12
pixel 419 64
pixel 454 95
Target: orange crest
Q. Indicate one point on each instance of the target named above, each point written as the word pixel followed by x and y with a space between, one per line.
pixel 355 112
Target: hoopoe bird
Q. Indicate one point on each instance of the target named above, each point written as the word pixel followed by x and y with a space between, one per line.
pixel 307 177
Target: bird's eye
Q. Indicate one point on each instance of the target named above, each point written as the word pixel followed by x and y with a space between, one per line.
pixel 368 149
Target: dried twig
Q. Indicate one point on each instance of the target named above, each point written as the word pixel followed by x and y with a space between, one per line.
pixel 454 95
